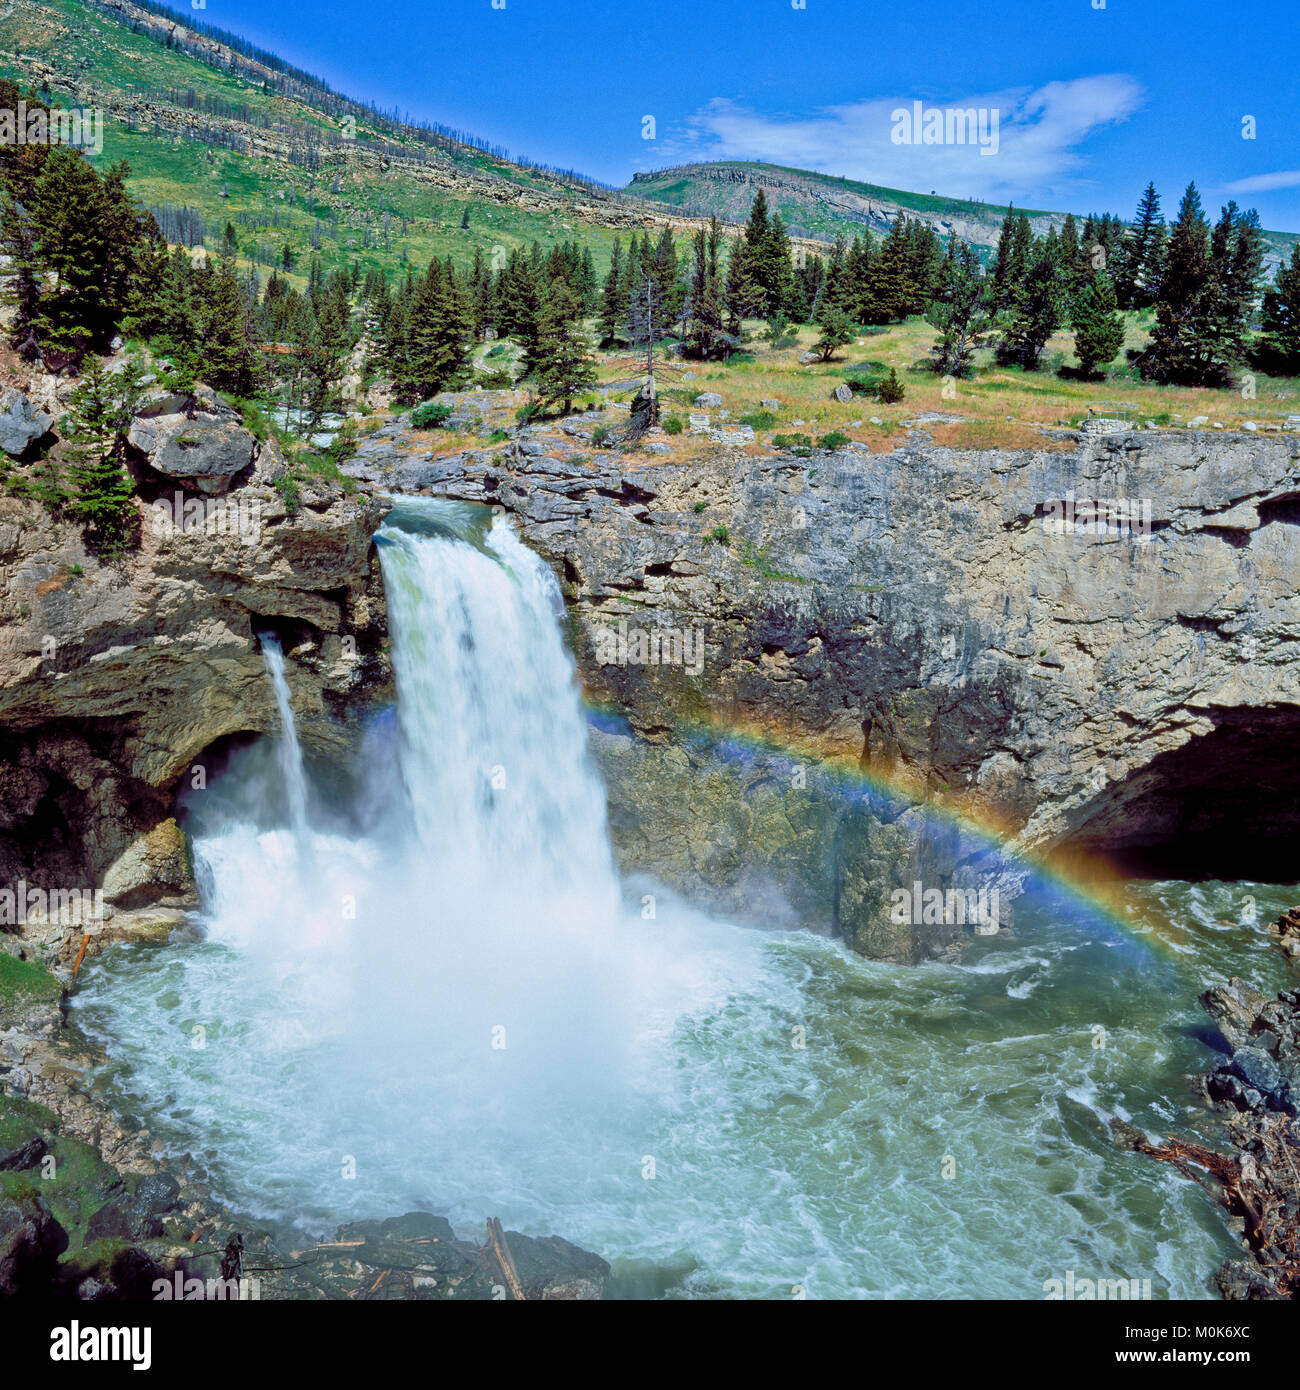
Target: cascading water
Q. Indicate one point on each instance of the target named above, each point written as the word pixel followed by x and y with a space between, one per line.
pixel 290 751
pixel 452 995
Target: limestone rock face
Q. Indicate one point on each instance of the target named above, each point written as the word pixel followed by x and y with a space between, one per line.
pixel 154 868
pixel 21 423
pixel 194 439
pixel 1124 678
pixel 116 678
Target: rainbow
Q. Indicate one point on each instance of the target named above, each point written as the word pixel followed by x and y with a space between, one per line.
pixel 1087 878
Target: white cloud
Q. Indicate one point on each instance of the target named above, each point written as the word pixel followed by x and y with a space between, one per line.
pixel 1039 132
pixel 1265 183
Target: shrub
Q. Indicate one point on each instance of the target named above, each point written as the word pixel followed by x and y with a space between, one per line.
pixel 495 381
pixel 720 535
pixel 673 424
pixel 430 415
pixel 602 437
pixel 699 506
pixel 792 441
pixel 290 492
pixel 890 390
pixel 759 419
pixel 837 439
pixel 256 421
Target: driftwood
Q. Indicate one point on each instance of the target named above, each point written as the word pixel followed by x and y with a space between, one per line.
pixel 497 1242
pixel 1260 1186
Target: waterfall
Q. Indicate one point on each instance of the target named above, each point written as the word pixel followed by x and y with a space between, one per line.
pixel 425 987
pixel 289 751
pixel 503 800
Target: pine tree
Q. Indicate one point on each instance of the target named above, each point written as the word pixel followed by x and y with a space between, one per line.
pixel 835 289
pixel 745 297
pixel 645 320
pixel 772 267
pixel 890 289
pixel 1015 246
pixel 564 362
pixel 437 347
pixel 1001 270
pixel 228 360
pixel 1037 307
pixel 100 411
pixel 961 312
pixel 1074 267
pixel 1177 352
pixel 1137 280
pixel 1280 321
pixel 836 330
pixel 84 235
pixel 1098 326
pixel 705 338
pixel 613 307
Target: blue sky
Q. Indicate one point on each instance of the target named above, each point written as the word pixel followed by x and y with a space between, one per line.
pixel 1091 102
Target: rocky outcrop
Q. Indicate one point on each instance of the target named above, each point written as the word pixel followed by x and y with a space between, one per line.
pixel 154 868
pixel 21 423
pixel 961 624
pixel 1256 1088
pixel 194 439
pixel 1287 929
pixel 115 678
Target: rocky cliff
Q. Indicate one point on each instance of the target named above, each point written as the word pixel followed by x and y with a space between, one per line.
pixel 117 677
pixel 1090 644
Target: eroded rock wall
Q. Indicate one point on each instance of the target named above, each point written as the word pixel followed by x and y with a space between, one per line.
pixel 926 614
pixel 116 676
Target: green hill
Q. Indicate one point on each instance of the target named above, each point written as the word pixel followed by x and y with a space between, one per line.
pixel 215 135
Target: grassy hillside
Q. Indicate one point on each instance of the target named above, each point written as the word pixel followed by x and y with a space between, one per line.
pixel 229 140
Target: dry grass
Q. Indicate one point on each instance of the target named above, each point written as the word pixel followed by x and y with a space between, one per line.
pixel 1003 407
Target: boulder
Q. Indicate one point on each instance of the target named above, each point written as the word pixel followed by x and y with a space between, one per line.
pixel 124 1218
pixel 708 399
pixel 194 439
pixel 154 867
pixel 31 1241
pixel 21 424
pixel 23 1156
pixel 1259 1071
pixel 842 393
pixel 1235 1007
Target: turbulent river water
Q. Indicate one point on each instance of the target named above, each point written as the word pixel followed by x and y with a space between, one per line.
pixel 427 988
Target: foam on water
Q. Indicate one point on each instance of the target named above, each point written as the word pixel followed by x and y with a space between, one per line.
pixel 449 989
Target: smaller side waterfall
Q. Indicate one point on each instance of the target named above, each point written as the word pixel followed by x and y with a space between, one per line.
pixel 289 750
